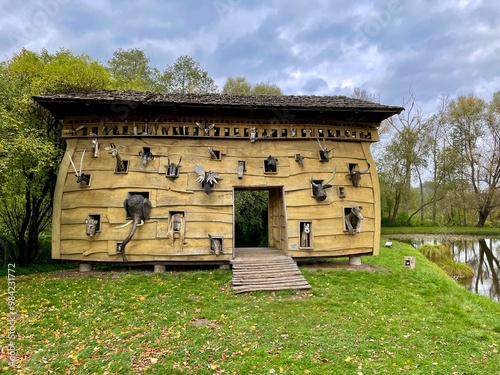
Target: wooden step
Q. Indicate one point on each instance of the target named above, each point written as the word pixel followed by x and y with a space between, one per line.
pixel 271 272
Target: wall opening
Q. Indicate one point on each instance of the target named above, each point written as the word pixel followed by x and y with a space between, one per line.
pixel 251 218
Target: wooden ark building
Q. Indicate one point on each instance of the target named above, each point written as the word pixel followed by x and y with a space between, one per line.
pixel 184 157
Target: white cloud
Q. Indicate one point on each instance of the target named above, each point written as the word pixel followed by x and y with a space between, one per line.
pixel 313 47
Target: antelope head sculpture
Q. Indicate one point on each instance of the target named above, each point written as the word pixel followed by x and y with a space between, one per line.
pixel 355 176
pixel 324 152
pixel 319 189
pixel 172 168
pixel 80 176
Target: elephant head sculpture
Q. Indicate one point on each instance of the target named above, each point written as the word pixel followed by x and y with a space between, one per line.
pixel 139 209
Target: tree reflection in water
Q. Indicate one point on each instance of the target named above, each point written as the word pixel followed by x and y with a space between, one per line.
pixel 483 255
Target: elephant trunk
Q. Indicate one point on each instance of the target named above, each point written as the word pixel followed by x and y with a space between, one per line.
pixel 136 222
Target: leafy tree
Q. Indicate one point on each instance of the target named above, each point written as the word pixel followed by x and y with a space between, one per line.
pixel 264 88
pixel 237 86
pixel 475 136
pixel 240 86
pixel 31 147
pixel 130 70
pixel 185 76
pixel 251 213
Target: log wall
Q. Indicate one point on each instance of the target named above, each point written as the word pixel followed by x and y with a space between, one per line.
pixel 291 197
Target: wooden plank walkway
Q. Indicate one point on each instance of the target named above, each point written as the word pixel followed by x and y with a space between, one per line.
pixel 265 269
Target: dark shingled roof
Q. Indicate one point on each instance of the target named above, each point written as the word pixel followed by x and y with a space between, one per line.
pixel 60 104
pixel 260 101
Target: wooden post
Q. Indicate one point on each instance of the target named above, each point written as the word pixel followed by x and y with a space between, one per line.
pixel 354 261
pixel 159 268
pixel 410 262
pixel 85 267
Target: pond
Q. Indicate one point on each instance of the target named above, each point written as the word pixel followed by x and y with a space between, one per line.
pixel 482 254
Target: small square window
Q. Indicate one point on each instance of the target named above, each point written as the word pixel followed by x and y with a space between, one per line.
pixel 305 232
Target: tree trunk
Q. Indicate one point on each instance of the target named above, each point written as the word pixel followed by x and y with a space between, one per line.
pixel 482 215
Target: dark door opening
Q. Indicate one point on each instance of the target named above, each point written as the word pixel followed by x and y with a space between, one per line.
pixel 251 218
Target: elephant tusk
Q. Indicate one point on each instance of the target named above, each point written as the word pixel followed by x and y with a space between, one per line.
pixel 141 223
pixel 125 225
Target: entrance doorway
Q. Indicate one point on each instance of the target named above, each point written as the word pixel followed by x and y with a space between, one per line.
pixel 259 217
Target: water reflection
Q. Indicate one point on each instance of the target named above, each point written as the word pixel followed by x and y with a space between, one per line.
pixel 483 255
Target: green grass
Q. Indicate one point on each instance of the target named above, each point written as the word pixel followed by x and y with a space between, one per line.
pixel 475 231
pixel 396 320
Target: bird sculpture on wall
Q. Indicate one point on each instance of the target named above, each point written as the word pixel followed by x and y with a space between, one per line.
pixel 139 209
pixel 207 179
pixel 205 127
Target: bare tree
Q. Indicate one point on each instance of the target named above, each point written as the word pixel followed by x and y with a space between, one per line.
pixel 405 157
pixel 475 128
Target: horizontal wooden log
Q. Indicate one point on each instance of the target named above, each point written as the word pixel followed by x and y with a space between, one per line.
pixel 330 253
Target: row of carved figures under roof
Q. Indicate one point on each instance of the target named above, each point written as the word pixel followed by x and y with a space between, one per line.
pixel 253 133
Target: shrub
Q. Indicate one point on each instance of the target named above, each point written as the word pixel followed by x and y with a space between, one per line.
pixel 456 269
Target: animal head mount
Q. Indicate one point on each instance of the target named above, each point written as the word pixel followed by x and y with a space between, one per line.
pixel 215 245
pixel 319 191
pixel 114 151
pixel 91 226
pixel 353 220
pixel 207 179
pixel 324 152
pixel 214 154
pixel 81 177
pixel 271 164
pixel 138 208
pixel 146 156
pixel 172 169
pixel 299 159
pixel 205 127
pixel 95 147
pixel 355 176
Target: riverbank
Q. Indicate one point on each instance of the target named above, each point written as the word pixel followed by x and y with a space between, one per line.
pixel 441 231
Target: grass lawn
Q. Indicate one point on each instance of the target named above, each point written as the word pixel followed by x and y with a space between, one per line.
pixel 394 320
pixel 474 231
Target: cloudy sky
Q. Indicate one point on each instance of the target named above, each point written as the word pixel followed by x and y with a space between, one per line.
pixel 390 48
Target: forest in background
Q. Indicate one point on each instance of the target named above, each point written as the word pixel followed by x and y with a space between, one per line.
pixel 435 169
